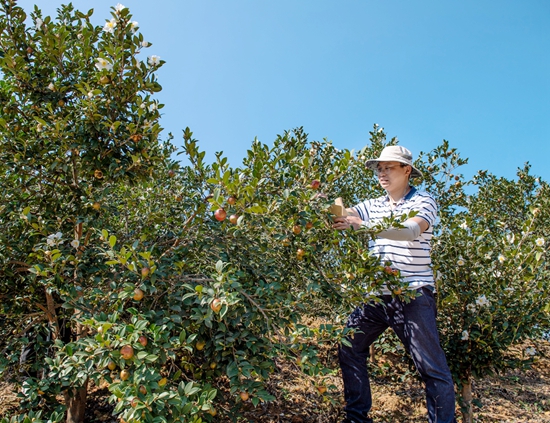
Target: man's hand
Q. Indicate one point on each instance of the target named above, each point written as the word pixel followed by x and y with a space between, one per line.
pixel 346 222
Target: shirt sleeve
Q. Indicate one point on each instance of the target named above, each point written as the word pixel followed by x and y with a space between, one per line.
pixel 426 207
pixel 363 210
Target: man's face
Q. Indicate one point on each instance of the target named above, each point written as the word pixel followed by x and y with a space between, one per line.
pixel 393 175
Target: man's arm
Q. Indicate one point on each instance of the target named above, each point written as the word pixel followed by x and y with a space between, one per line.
pixel 413 226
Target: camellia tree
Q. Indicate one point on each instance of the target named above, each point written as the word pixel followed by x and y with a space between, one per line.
pixel 495 294
pixel 78 121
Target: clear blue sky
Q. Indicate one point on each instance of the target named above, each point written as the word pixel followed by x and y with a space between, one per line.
pixel 476 73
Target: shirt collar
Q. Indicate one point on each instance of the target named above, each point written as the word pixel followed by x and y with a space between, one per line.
pixel 406 198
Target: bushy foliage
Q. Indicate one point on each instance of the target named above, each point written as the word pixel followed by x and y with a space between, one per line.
pixel 180 286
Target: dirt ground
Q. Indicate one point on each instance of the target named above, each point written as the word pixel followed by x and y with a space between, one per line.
pixel 511 397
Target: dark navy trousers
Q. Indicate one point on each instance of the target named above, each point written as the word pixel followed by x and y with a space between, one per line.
pixel 415 325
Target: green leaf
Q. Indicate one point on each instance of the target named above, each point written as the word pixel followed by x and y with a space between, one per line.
pixel 151 358
pixel 112 241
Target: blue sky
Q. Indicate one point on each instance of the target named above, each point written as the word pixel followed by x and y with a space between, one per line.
pixel 476 73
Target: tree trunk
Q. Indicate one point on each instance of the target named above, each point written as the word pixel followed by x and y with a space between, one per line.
pixel 371 354
pixel 467 414
pixel 75 400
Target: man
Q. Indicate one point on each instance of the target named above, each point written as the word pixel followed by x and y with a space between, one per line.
pixel 408 249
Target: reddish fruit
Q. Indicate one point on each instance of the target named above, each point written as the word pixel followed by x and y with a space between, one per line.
pixel 244 395
pixel 111 365
pixel 233 219
pixel 142 390
pixel 216 305
pixel 300 254
pixel 134 402
pixel 398 291
pixel 212 412
pixel 286 242
pixel 138 294
pixel 145 272
pixel 171 173
pixel 322 389
pixel 388 270
pixel 124 375
pixel 315 184
pixel 136 137
pixel 143 340
pixel 309 225
pixel 296 229
pixel 220 215
pixel 231 201
pixel 127 352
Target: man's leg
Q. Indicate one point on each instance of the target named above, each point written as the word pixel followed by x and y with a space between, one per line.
pixel 415 324
pixel 370 321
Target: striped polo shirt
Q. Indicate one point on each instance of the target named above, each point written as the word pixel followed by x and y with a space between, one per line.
pixel 411 258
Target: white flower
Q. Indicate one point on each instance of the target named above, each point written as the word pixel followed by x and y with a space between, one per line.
pixel 464 225
pixel 511 238
pixel 53 239
pixel 465 335
pixel 488 256
pixel 110 26
pixel 51 87
pixel 471 308
pixel 145 44
pixel 460 262
pixel 154 60
pixel 153 106
pixel 38 24
pixel 134 25
pixel 530 351
pixel 103 64
pixel 90 94
pixel 142 106
pixel 482 301
pixel 501 258
pixel 539 242
pixel 119 7
pixel 75 243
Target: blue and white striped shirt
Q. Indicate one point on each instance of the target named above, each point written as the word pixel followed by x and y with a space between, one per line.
pixel 411 258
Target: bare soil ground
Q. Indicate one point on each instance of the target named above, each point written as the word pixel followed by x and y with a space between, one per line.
pixel 511 397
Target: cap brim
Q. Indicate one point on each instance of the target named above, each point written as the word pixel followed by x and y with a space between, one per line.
pixel 372 163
